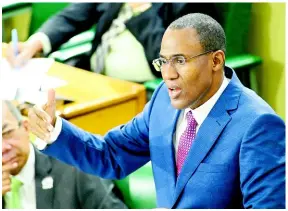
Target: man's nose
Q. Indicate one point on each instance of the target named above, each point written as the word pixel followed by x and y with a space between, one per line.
pixel 5 146
pixel 169 72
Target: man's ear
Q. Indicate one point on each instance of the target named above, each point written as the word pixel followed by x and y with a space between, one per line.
pixel 25 124
pixel 218 60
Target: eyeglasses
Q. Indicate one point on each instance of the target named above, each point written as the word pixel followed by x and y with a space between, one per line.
pixel 177 61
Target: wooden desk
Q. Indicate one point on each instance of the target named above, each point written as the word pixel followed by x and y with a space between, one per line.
pixel 100 102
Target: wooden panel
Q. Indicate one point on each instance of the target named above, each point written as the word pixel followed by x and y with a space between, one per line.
pixel 91 91
pixel 102 120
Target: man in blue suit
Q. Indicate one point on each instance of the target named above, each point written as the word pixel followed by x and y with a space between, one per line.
pixel 213 143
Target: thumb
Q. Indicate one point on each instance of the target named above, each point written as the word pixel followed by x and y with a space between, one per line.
pixel 50 106
pixel 51 98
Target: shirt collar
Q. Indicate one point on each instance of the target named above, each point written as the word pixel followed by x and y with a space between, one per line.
pixel 26 175
pixel 202 111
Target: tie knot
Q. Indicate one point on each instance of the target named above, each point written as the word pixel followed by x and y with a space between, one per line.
pixel 190 118
pixel 15 183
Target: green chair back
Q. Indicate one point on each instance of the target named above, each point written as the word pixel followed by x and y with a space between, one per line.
pixel 42 12
pixel 235 20
pixel 138 189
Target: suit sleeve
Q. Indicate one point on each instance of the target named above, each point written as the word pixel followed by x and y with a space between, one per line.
pixel 74 19
pixel 121 151
pixel 96 193
pixel 262 163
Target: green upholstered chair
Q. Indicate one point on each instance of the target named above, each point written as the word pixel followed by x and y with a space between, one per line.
pixel 138 189
pixel 42 12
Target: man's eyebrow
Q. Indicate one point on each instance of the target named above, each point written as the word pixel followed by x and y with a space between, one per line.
pixel 4 126
pixel 179 54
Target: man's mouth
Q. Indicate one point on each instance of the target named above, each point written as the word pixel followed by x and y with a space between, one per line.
pixel 174 92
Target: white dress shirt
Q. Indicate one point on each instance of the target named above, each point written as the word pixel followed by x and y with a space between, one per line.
pixel 27 191
pixel 199 114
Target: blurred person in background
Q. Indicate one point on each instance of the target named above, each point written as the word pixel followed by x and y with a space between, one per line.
pixel 33 180
pixel 127 37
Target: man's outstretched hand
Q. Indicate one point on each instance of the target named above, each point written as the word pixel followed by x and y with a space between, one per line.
pixel 42 119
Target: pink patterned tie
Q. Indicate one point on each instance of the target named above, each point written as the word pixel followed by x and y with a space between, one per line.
pixel 185 141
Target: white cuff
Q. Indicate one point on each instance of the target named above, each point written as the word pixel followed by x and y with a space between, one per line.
pixel 44 39
pixel 41 144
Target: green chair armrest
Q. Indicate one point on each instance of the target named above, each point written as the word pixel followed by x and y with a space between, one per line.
pixel 76 46
pixel 243 61
pixel 65 54
pixel 235 62
pixel 80 39
pixel 138 188
pixel 152 84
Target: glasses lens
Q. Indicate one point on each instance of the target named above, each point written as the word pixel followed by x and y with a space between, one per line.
pixel 157 63
pixel 178 61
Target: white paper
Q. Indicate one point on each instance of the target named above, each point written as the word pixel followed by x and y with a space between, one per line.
pixel 52 82
pixel 24 83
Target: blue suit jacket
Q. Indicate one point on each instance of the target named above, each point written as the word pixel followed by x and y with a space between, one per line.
pixel 237 159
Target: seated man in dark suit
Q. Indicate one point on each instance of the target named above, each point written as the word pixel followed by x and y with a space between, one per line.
pixel 33 180
pixel 127 38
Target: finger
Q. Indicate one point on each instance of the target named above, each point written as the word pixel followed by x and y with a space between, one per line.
pixel 5 175
pixel 6 181
pixel 23 57
pixel 9 167
pixel 6 189
pixel 51 97
pixel 11 57
pixel 37 123
pixel 8 156
pixel 43 126
pixel 41 113
pixel 44 137
pixel 39 130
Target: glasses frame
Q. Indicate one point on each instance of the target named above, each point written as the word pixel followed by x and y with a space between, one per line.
pixel 154 62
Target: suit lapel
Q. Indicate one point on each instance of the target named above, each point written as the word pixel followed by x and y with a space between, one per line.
pixel 168 152
pixel 44 191
pixel 110 12
pixel 209 132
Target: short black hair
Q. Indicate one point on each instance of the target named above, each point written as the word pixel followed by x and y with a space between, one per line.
pixel 211 34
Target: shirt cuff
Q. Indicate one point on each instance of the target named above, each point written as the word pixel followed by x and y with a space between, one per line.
pixel 44 39
pixel 41 144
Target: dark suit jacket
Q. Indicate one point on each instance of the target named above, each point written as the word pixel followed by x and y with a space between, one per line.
pixel 148 27
pixel 72 189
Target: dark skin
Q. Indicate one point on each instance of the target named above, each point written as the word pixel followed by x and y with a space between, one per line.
pixel 200 78
pixel 15 146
